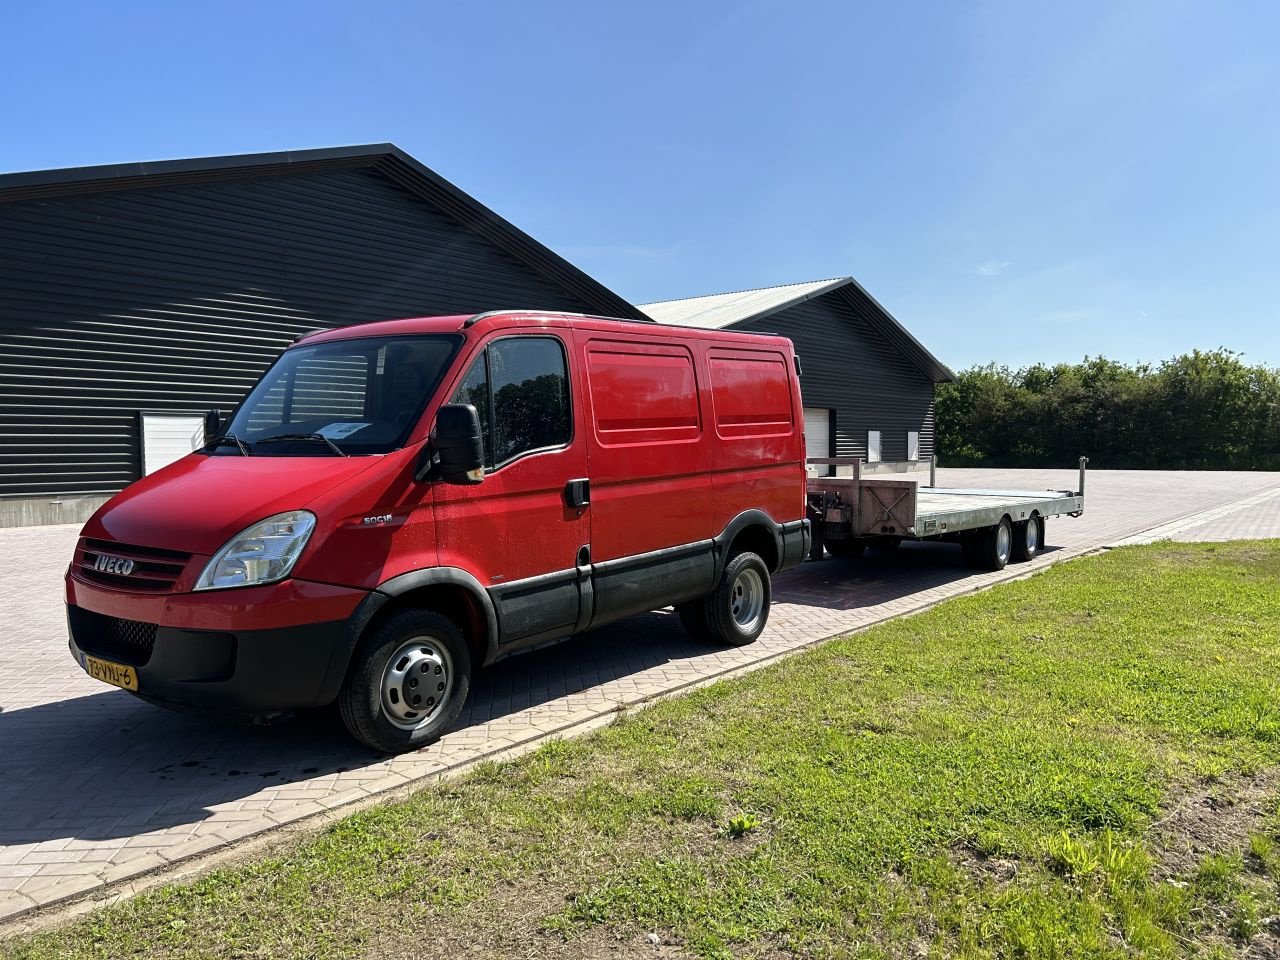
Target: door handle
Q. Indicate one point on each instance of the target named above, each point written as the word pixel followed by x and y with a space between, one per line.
pixel 577 493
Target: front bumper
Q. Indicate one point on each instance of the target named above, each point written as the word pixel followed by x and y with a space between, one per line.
pixel 224 651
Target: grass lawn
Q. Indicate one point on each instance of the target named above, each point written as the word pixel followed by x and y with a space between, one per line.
pixel 1083 764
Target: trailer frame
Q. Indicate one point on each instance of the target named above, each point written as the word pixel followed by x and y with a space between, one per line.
pixel 870 506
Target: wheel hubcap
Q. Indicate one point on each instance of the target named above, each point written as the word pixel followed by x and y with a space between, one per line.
pixel 1033 535
pixel 416 682
pixel 746 601
pixel 1003 541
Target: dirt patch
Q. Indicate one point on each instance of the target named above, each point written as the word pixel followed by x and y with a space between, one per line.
pixel 1215 818
pixel 978 865
pixel 508 923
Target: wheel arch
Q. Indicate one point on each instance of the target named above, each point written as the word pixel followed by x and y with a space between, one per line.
pixel 752 530
pixel 449 591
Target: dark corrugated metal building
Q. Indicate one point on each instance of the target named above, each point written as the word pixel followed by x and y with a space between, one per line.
pixel 166 288
pixel 866 380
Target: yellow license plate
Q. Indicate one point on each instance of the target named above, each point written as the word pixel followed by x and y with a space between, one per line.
pixel 116 674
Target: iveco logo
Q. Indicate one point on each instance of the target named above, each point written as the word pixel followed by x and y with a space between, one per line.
pixel 119 565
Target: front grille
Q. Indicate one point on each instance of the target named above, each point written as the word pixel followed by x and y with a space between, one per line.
pixel 149 568
pixel 128 641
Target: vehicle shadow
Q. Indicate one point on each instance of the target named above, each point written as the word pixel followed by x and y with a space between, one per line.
pixel 108 766
pixel 878 577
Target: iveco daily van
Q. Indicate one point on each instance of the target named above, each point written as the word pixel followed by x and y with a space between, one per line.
pixel 397 504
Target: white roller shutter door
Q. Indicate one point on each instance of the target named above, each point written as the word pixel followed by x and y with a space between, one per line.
pixel 817 435
pixel 167 437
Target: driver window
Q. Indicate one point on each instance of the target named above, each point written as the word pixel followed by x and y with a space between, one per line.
pixel 520 388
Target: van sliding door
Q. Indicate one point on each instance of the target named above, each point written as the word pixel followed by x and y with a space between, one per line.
pixel 650 474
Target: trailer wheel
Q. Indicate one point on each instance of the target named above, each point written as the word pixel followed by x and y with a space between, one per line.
pixel 845 549
pixel 735 612
pixel 1028 538
pixel 408 681
pixel 995 545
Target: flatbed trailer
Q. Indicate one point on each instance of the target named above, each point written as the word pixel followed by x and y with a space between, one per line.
pixel 873 506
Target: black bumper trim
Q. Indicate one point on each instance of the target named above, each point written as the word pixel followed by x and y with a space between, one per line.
pixel 247 672
pixel 796 540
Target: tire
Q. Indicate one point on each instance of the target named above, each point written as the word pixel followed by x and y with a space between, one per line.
pixel 694 620
pixel 845 549
pixel 995 545
pixel 1028 538
pixel 374 701
pixel 736 611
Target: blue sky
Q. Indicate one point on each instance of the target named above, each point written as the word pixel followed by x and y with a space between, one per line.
pixel 1015 181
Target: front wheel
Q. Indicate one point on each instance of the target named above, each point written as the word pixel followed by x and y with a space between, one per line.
pixel 996 545
pixel 736 611
pixel 407 683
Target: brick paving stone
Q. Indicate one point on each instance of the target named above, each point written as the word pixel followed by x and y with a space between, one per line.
pixel 97 787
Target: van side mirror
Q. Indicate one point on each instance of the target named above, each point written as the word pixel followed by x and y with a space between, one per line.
pixel 458 445
pixel 212 424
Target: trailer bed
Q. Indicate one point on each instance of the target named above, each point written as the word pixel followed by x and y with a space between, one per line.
pixel 949 510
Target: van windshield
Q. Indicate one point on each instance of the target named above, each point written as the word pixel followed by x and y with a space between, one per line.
pixel 349 397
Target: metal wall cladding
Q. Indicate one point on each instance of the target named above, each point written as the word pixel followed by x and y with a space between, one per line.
pixel 175 298
pixel 851 368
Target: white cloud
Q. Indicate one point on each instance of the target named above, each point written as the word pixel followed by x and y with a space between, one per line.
pixel 992 268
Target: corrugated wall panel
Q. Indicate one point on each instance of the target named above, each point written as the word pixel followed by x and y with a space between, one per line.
pixel 176 298
pixel 851 368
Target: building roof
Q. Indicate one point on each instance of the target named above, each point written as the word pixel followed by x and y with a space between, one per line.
pixel 721 310
pixel 385 159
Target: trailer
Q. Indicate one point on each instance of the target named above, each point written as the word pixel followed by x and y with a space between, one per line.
pixel 873 505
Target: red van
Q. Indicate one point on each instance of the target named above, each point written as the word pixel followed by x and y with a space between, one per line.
pixel 396 504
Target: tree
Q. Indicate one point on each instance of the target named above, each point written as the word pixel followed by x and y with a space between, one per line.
pixel 1202 410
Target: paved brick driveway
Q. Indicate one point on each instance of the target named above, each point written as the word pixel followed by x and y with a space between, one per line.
pixel 96 786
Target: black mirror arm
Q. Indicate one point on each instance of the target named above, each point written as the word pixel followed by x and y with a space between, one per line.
pixel 428 462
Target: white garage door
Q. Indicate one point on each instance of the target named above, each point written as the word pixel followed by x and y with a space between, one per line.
pixel 166 438
pixel 817 435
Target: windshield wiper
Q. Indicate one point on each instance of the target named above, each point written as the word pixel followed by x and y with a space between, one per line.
pixel 314 437
pixel 228 438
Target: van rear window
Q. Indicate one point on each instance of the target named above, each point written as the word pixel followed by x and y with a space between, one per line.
pixel 751 393
pixel 642 393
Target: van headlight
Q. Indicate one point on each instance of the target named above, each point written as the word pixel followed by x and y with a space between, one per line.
pixel 264 553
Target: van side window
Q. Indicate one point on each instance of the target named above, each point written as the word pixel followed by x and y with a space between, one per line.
pixel 530 396
pixel 520 387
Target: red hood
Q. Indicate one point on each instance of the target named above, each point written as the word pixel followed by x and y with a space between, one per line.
pixel 200 502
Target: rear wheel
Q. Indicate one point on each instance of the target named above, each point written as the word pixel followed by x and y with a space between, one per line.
pixel 1028 538
pixel 408 681
pixel 736 611
pixel 847 548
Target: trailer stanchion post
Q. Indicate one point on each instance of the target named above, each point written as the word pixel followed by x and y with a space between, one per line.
pixel 1084 462
pixel 933 469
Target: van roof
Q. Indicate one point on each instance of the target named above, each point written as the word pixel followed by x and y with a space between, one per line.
pixel 455 323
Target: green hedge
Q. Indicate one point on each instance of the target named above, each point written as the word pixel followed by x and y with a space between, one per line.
pixel 1200 411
